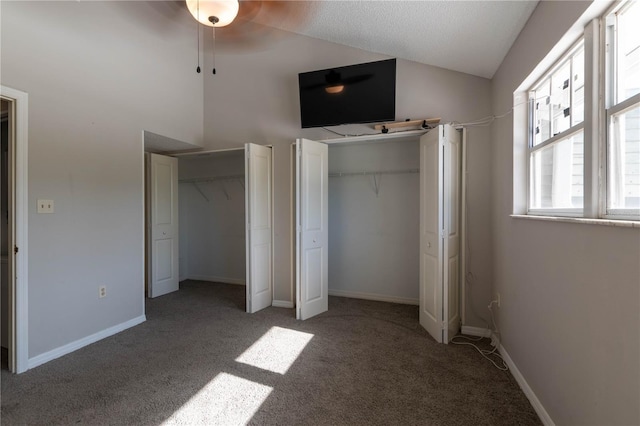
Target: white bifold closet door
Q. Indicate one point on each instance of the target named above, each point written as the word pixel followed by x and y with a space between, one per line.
pixel 312 233
pixel 440 151
pixel 258 217
pixel 162 224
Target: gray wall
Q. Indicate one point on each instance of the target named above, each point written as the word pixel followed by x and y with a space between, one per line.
pixel 212 230
pixel 374 241
pixel 97 75
pixel 254 98
pixel 570 292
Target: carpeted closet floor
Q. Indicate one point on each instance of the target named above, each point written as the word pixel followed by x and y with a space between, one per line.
pixel 200 359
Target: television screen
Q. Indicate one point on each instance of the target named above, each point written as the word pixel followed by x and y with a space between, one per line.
pixel 363 93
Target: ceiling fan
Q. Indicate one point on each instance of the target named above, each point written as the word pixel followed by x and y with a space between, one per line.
pixel 245 24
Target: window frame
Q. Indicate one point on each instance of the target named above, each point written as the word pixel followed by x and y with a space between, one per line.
pixel 606 212
pixel 566 56
pixel 611 106
pixel 593 32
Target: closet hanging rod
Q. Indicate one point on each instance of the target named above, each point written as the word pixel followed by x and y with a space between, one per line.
pixel 211 179
pixel 368 173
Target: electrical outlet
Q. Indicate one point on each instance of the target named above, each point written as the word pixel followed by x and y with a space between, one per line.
pixel 498 299
pixel 102 291
pixel 45 206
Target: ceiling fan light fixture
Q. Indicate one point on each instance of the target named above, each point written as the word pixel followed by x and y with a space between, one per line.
pixel 338 88
pixel 224 11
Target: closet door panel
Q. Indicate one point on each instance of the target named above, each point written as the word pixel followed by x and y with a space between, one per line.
pixel 163 224
pixel 451 211
pixel 313 228
pixel 431 243
pixel 258 194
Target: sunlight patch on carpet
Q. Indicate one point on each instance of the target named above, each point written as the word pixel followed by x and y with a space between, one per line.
pixel 226 399
pixel 276 350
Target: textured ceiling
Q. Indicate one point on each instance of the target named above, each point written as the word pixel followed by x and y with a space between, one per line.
pixel 467 36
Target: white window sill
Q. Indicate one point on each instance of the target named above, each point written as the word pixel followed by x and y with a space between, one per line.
pixel 587 221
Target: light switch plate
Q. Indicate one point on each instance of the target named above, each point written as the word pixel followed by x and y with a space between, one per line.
pixel 45 206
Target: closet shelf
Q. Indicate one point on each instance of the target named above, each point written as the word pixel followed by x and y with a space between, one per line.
pixel 375 173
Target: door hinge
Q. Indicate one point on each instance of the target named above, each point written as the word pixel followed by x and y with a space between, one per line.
pixel 442 232
pixel 444 325
pixel 15 249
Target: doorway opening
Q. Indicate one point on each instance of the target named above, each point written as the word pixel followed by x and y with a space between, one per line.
pixel 6 133
pixel 212 217
pixel 373 222
pixel 14 218
pixel 223 216
pixel 388 236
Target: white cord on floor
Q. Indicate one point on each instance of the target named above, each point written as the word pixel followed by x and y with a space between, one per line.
pixel 486 353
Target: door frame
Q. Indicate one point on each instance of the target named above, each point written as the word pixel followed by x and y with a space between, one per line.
pixel 19 335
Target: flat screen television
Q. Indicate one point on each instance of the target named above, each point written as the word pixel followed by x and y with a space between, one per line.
pixel 363 93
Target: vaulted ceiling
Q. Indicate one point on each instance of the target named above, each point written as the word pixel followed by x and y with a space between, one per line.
pixel 467 36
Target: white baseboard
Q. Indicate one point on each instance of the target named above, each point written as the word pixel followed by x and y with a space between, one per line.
pixel 476 331
pixel 374 296
pixel 213 279
pixel 535 402
pixel 282 304
pixel 74 346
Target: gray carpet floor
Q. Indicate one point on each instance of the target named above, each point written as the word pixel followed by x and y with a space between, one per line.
pixel 365 362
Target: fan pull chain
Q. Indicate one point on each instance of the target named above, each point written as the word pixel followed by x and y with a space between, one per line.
pixel 214 49
pixel 198 28
pixel 198 34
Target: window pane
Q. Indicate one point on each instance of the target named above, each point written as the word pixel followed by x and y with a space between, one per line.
pixel 628 50
pixel 624 160
pixel 577 102
pixel 542 105
pixel 557 175
pixel 560 97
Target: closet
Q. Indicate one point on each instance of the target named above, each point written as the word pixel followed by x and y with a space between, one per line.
pixel 379 219
pixel 374 220
pixel 223 214
pixel 211 211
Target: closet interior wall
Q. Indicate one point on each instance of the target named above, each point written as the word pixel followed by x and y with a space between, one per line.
pixel 212 211
pixel 374 220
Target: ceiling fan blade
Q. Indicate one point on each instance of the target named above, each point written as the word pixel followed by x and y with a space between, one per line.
pixel 255 26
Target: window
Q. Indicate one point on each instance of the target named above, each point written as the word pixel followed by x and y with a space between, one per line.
pixel 622 73
pixel 584 145
pixel 556 147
